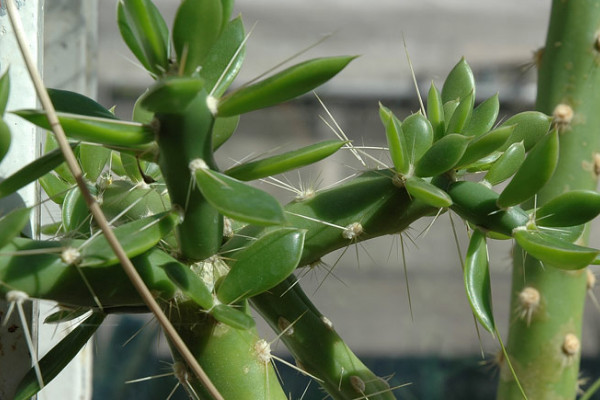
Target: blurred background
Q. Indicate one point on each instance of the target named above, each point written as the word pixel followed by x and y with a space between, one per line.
pixel 436 350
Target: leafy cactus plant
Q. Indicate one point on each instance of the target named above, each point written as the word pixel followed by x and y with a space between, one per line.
pixel 208 245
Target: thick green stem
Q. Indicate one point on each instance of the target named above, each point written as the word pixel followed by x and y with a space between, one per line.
pixel 545 350
pixel 316 346
pixel 237 361
pixel 183 137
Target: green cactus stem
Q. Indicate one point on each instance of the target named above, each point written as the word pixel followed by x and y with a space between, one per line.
pixel 545 346
pixel 183 137
pixel 316 346
pixel 237 361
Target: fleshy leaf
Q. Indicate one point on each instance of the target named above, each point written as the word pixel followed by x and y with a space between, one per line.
pixel 238 200
pixel 262 265
pixel 477 281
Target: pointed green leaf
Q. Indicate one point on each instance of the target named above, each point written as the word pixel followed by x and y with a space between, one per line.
pixel 56 189
pixel 483 117
pixel 477 281
pixel 571 208
pixel 5 138
pixel 140 114
pixel 31 172
pixel 59 356
pixel 62 170
pixel 285 162
pixel 534 173
pixel 262 265
pixel 459 83
pixel 283 86
pixel 135 237
pixel 554 251
pixel 138 199
pixel 427 193
pixel 146 34
pixel 233 317
pixel 461 115
pixel 93 159
pixel 530 127
pixel 74 103
pixel 65 315
pixel 449 108
pixel 418 136
pixel 76 216
pixel 196 28
pixel 224 60
pixel 189 283
pixel 442 156
pixel 12 224
pixel 171 95
pixel 507 164
pixel 485 144
pixel 395 140
pixel 92 129
pixel 435 112
pixel 4 91
pixel 223 128
pixel 238 200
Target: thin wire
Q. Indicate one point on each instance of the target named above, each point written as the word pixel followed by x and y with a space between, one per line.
pixel 73 166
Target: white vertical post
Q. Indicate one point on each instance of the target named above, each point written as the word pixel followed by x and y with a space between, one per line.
pixel 14 355
pixel 69 63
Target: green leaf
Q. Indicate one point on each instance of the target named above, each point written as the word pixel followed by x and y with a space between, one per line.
pixel 285 162
pixel 138 200
pixel 435 112
pixel 92 129
pixel 477 281
pixel 59 356
pixel 427 193
pixel 395 140
pixel 485 144
pixel 534 173
pixel 12 224
pixel 222 130
pixel 56 189
pixel 196 28
pixel 4 91
pixel 483 117
pixel 93 159
pixel 233 317
pixel 442 156
pixel 31 172
pixel 571 208
pixel 5 139
pixel 140 114
pixel 530 127
pixel 283 86
pixel 62 170
pixel 65 101
pixel 189 283
pixel 146 34
pixel 76 216
pixel 507 164
pixel 262 265
pixel 224 60
pixel 65 315
pixel 554 251
pixel 418 136
pixel 171 95
pixel 461 115
pixel 135 237
pixel 238 200
pixel 449 108
pixel 459 83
